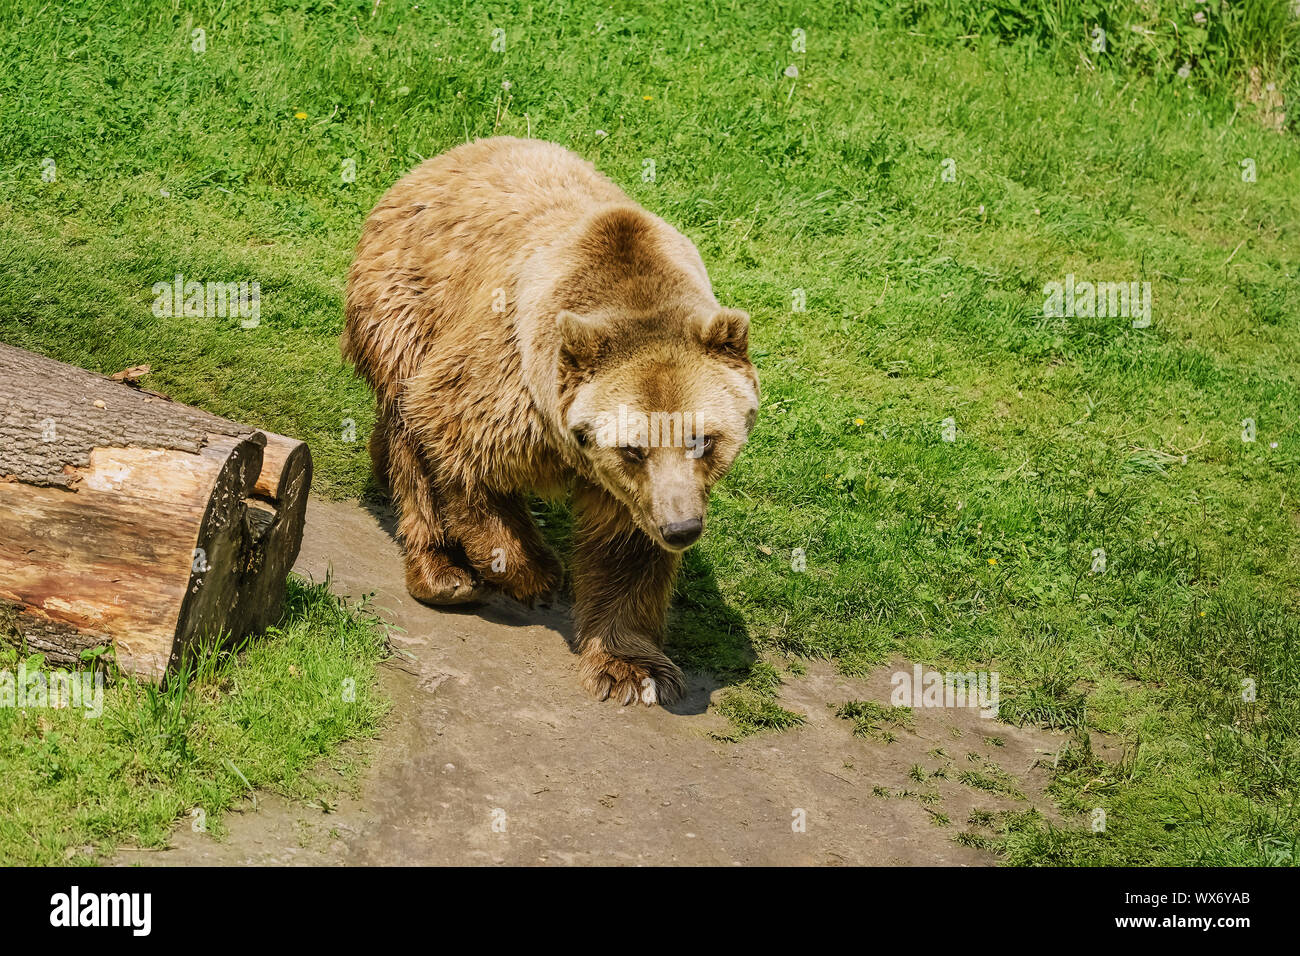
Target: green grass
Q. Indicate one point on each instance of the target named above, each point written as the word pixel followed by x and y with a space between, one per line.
pixel 78 782
pixel 924 302
pixel 870 719
pixel 750 705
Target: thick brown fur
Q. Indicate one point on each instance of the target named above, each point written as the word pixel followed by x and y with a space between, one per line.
pixel 505 300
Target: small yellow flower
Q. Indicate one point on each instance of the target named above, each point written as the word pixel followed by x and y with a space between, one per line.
pixel 1202 614
pixel 647 98
pixel 993 560
pixel 300 115
pixel 859 421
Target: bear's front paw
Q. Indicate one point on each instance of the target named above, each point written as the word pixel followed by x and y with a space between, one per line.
pixel 628 680
pixel 432 578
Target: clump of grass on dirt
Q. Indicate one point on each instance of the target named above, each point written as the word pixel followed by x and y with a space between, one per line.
pixel 72 786
pixel 875 720
pixel 750 706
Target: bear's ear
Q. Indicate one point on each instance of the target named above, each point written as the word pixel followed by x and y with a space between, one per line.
pixel 580 337
pixel 727 330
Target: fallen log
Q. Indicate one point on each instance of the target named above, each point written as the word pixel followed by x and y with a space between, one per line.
pixel 133 521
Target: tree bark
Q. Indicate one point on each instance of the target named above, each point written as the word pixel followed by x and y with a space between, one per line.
pixel 132 521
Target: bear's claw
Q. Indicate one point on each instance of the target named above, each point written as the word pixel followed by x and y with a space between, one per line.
pixel 630 682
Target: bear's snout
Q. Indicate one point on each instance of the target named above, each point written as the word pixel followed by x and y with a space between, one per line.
pixel 682 534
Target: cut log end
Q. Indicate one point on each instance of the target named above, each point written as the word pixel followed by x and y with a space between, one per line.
pixel 184 531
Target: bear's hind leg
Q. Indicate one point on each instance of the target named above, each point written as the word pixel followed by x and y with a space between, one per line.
pixel 433 575
pixel 379 453
pixel 622 585
pixel 502 542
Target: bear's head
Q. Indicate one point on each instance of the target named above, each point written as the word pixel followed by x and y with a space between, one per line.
pixel 657 407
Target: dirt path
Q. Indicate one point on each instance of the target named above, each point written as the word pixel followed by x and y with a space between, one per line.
pixel 493 755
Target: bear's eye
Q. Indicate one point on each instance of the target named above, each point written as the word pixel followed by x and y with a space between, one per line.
pixel 633 454
pixel 700 447
pixel 580 436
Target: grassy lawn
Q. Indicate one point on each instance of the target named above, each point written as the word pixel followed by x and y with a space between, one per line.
pixel 79 779
pixel 891 291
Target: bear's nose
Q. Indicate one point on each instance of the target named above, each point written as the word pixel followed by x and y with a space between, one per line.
pixel 681 533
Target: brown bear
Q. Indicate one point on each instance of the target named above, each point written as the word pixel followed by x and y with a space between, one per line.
pixel 529 329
